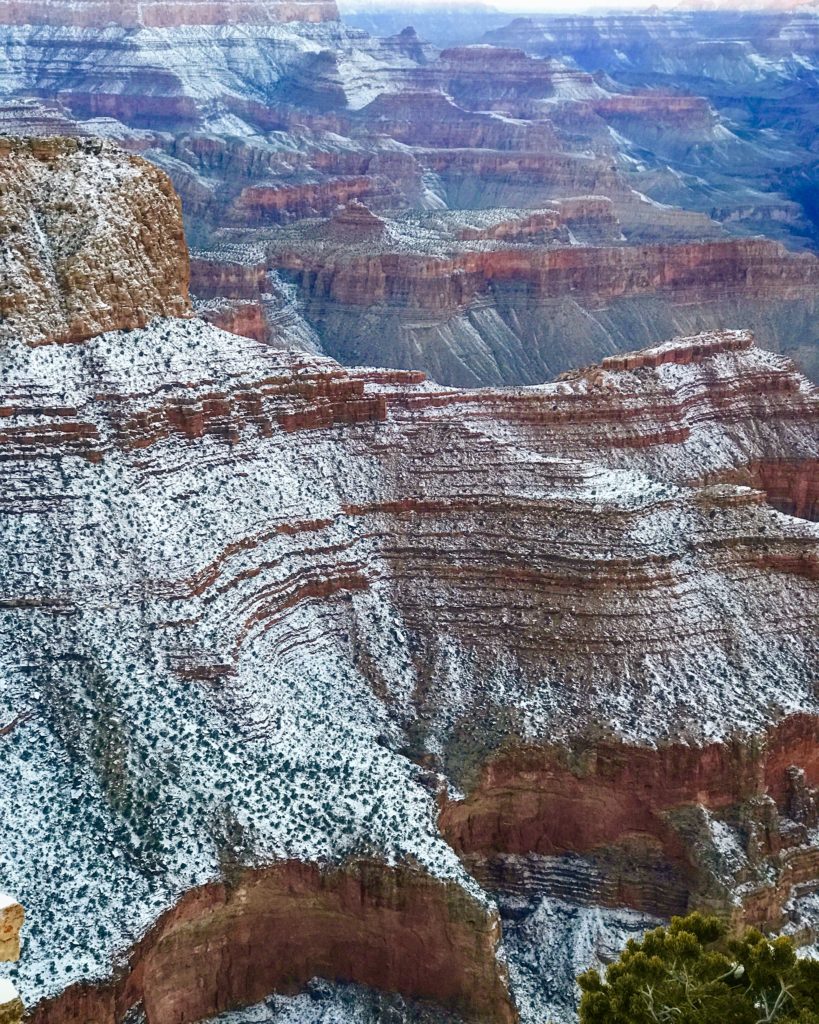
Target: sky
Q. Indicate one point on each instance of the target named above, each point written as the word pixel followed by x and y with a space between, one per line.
pixel 572 6
pixel 523 6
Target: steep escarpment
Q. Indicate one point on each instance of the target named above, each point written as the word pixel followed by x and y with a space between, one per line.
pixel 473 309
pixel 289 650
pixel 274 929
pixel 93 241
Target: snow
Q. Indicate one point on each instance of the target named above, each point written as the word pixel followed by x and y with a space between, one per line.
pixel 326 1003
pixel 8 993
pixel 556 942
pixel 297 739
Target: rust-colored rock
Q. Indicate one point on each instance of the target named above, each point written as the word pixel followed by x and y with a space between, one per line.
pixel 276 928
pixel 624 807
pixel 72 269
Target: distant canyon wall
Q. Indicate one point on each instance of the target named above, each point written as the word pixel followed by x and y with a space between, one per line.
pixel 133 14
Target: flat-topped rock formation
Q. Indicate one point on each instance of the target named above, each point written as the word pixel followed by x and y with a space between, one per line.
pixel 93 241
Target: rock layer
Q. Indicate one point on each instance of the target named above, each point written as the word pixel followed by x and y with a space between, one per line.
pixel 274 929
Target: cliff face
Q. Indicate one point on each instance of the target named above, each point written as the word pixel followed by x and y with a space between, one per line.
pixel 494 305
pixel 93 242
pixel 648 822
pixel 276 928
pixel 686 272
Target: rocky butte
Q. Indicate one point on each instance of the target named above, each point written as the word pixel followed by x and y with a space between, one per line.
pixel 324 673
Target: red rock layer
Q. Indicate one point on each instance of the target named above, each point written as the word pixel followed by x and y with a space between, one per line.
pixel 551 800
pixel 606 798
pixel 274 929
pixel 684 273
pixel 791 485
pixel 655 109
pixel 288 202
pixel 245 318
pixel 555 174
pixel 233 280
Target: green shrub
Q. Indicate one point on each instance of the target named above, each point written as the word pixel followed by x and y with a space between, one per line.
pixel 691 973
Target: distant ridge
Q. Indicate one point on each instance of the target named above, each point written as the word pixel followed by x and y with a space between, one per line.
pixel 164 13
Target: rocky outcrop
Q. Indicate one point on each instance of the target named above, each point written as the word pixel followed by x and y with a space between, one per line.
pixel 274 929
pixel 792 486
pixel 12 917
pixel 93 241
pixel 260 203
pixel 11 921
pixel 237 316
pixel 236 276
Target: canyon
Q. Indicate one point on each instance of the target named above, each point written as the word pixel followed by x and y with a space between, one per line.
pixel 408 593
pixel 341 687
pixel 674 151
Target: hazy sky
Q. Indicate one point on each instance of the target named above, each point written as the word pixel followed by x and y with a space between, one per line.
pixel 576 6
pixel 521 6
